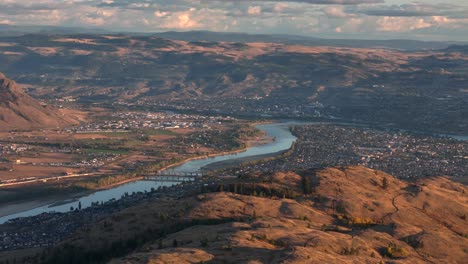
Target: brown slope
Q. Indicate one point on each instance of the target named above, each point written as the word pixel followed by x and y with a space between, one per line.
pixel 430 215
pixel 350 217
pixel 19 111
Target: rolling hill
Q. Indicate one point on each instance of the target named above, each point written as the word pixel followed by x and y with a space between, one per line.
pixel 333 215
pixel 18 111
pixel 399 44
pixel 421 90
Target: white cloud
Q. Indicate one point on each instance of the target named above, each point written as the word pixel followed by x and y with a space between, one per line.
pixel 254 10
pixel 405 24
pixel 400 24
pixel 186 22
pixel 451 23
pixel 140 5
pixel 335 12
pixel 161 14
pixel 5 22
pixel 343 18
pixel 280 7
pixel 106 13
pixel 178 21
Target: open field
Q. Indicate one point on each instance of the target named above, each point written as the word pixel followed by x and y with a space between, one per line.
pixel 27 171
pixel 47 157
pixel 95 150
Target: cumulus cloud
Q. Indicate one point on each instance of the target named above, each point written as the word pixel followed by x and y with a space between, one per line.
pixel 335 12
pixel 161 14
pixel 254 10
pixel 280 7
pixel 350 18
pixel 184 21
pixel 5 22
pixel 400 24
pixel 406 24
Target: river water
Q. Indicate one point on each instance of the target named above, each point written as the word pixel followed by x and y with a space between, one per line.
pixel 283 139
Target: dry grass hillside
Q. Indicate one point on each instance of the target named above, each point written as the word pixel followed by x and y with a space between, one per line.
pixel 18 111
pixel 423 90
pixel 335 215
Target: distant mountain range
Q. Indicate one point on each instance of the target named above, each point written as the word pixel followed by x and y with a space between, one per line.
pixel 401 44
pixel 423 90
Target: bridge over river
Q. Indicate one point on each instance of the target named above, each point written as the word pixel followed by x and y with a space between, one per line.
pixel 173 176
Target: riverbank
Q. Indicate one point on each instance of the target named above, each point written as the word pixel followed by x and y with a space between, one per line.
pixel 235 162
pixel 226 164
pixel 13 208
pixel 16 207
pixel 264 139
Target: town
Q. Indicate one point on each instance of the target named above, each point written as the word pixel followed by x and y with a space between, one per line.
pixel 106 143
pixel 402 154
pixel 125 121
pixel 259 107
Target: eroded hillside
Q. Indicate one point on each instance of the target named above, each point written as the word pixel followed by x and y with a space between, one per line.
pixel 335 215
pixel 18 111
pixel 424 90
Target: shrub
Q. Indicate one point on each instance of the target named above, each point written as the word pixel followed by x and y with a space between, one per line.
pixel 395 251
pixel 352 251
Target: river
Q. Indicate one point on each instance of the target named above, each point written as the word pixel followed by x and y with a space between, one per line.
pixel 283 139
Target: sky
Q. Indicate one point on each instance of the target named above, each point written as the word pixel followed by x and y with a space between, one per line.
pixel 359 19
